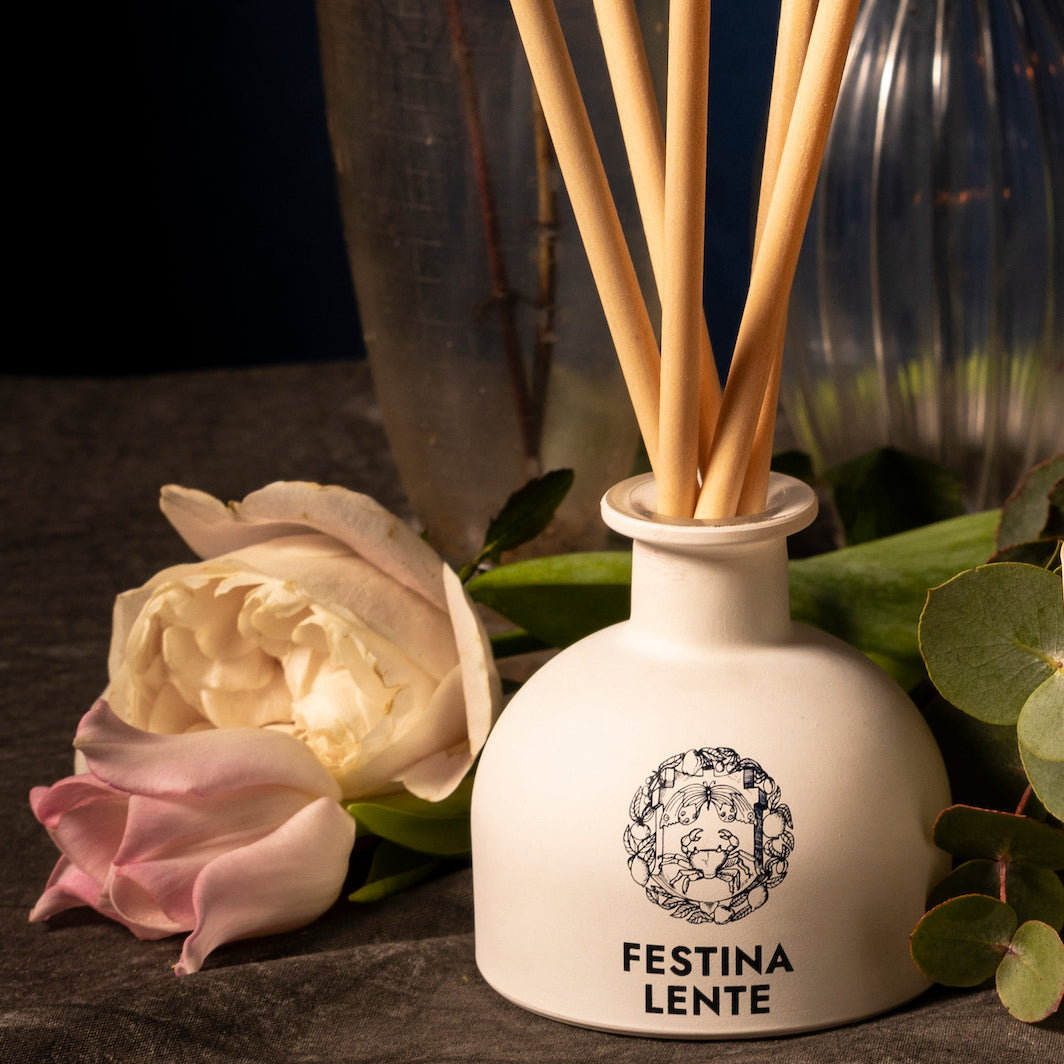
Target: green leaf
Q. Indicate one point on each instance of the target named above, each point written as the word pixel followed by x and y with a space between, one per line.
pixel 1029 512
pixel 515 641
pixel 967 832
pixel 560 599
pixel 393 869
pixel 886 492
pixel 1030 978
pixel 1047 779
pixel 961 942
pixel 525 514
pixel 991 635
pixel 440 828
pixel 1041 725
pixel 871 595
pixel 1033 893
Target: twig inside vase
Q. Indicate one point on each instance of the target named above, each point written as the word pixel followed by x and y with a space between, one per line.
pixel 547 265
pixel 503 296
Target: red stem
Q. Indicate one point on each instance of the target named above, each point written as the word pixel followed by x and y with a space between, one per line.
pixel 502 294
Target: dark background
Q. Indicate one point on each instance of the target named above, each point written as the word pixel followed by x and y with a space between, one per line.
pixel 178 207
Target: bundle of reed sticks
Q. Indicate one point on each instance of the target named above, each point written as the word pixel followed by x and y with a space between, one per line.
pixel 709 448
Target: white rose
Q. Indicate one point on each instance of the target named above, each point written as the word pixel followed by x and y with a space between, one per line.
pixel 318 613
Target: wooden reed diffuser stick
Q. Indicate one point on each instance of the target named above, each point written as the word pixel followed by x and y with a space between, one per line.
pixel 644 139
pixel 792 43
pixel 681 299
pixel 773 272
pixel 596 214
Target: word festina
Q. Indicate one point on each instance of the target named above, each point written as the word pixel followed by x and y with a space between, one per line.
pixel 723 962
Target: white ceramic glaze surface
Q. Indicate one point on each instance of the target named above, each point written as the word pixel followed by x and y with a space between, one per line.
pixel 707 821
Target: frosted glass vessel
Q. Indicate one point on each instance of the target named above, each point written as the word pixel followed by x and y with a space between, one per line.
pixel 489 351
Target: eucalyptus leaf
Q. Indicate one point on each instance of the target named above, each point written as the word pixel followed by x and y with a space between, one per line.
pixel 1030 978
pixel 393 869
pixel 1028 512
pixel 1032 892
pixel 1041 725
pixel 887 491
pixel 967 832
pixel 991 636
pixel 1047 780
pixel 871 595
pixel 440 828
pixel 559 599
pixel 961 942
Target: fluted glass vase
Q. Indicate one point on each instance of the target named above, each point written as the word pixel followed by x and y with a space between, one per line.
pixel 489 351
pixel 928 307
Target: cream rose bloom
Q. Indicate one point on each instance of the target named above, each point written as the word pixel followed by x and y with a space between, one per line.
pixel 317 613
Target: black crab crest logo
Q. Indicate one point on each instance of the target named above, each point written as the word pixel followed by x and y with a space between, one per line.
pixel 709 836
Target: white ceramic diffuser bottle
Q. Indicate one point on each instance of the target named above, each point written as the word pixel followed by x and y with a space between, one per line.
pixel 707 821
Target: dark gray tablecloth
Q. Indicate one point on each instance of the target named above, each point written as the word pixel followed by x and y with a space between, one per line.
pixel 82 462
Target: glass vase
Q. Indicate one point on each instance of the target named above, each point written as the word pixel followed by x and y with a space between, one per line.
pixel 489 352
pixel 928 307
pixel 707 821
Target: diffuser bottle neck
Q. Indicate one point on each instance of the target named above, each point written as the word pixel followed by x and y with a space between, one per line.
pixel 710 582
pixel 712 596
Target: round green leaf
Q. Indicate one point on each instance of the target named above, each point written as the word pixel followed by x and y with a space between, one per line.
pixel 1047 779
pixel 1030 978
pixel 961 942
pixel 1033 893
pixel 967 832
pixel 1026 512
pixel 1041 724
pixel 991 636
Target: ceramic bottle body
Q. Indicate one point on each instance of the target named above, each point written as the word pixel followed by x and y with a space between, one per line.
pixel 707 821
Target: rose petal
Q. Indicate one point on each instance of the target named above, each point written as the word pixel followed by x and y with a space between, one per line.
pixel 277 884
pixel 480 680
pixel 88 833
pixel 433 758
pixel 68 887
pixel 286 508
pixel 206 762
pixel 439 727
pixel 357 592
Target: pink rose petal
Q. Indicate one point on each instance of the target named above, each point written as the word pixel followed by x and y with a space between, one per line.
pixel 279 883
pixel 205 762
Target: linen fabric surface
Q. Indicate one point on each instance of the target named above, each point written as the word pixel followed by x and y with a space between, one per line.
pixel 82 464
